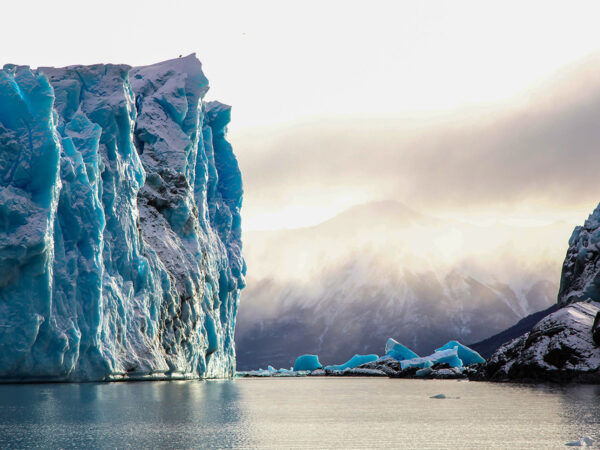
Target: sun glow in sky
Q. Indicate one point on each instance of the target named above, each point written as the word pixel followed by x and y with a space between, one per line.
pixel 285 64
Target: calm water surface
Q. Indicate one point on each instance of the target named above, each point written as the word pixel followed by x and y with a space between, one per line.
pixel 297 413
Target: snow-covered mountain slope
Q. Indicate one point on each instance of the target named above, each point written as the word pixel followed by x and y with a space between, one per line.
pixel 488 346
pixel 381 270
pixel 558 348
pixel 561 346
pixel 120 250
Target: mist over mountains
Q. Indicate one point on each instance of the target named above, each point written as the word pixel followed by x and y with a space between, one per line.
pixel 382 269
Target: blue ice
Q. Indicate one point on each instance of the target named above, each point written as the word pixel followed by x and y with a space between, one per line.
pixel 307 362
pixel 355 361
pixel 468 356
pixel 120 224
pixel 398 351
pixel 449 357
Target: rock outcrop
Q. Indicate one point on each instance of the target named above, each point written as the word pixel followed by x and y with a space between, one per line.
pixel 558 348
pixel 580 278
pixel 564 345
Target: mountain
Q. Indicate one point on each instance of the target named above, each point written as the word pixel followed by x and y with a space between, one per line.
pixel 120 251
pixel 565 344
pixel 383 270
pixel 559 348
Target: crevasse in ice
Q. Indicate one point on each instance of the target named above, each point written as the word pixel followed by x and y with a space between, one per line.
pixel 120 229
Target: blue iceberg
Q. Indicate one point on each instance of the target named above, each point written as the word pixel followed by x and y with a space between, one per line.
pixel 419 363
pixel 355 361
pixel 467 355
pixel 307 362
pixel 398 351
pixel 449 357
pixel 120 226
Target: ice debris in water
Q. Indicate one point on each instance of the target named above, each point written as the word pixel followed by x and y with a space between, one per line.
pixel 355 361
pixel 439 396
pixel 120 249
pixel 307 362
pixel 466 355
pixel 585 441
pixel 398 351
pixel 271 372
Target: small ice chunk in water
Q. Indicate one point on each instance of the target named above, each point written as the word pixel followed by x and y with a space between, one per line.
pixel 585 441
pixel 307 362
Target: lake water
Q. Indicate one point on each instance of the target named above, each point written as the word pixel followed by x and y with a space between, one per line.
pixel 297 413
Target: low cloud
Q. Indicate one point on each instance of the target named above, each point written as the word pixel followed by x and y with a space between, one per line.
pixel 542 150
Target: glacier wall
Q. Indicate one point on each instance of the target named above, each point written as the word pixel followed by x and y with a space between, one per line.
pixel 120 228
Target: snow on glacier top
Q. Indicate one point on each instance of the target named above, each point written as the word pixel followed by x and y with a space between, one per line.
pixel 189 65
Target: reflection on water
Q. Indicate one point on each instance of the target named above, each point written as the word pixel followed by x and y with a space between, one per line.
pixel 296 413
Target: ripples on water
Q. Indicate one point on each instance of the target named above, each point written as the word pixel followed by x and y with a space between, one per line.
pixel 297 413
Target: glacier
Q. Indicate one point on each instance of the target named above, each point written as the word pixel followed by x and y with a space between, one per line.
pixel 120 224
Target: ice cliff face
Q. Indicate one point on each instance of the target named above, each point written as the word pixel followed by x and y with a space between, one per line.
pixel 120 249
pixel 580 278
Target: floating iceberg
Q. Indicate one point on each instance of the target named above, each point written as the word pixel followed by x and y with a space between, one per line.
pixel 398 351
pixel 419 363
pixel 120 249
pixel 466 355
pixel 307 362
pixel 449 357
pixel 353 362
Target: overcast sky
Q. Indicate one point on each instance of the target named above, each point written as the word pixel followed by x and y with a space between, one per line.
pixel 528 162
pixel 460 107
